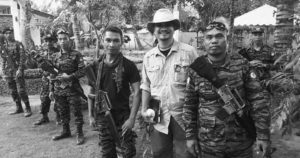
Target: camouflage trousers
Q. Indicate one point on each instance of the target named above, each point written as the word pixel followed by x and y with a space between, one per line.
pixel 106 141
pixel 245 153
pixel 44 96
pixel 17 88
pixel 64 105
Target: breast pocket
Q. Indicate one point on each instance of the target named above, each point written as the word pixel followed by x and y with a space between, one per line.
pixel 153 73
pixel 180 73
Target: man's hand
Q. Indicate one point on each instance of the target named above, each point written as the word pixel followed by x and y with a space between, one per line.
pixel 64 77
pixel 92 122
pixel 193 147
pixel 146 116
pixel 128 125
pixel 264 147
pixel 19 73
pixel 51 96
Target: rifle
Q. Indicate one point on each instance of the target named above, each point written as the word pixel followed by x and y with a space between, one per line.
pixel 46 65
pixel 234 103
pixel 101 103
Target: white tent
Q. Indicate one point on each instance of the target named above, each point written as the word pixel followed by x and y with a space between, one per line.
pixel 264 15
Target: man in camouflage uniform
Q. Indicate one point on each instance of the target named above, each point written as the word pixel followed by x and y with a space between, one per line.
pixel 209 134
pixel 67 94
pixel 261 56
pixel 13 55
pixel 49 41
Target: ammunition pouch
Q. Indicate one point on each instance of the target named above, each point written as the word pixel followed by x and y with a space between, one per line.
pixel 233 102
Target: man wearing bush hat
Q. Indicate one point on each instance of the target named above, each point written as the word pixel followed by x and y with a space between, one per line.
pixel 13 55
pixel 164 76
pixel 49 41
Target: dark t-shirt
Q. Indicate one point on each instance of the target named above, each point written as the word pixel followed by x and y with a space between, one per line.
pixel 119 101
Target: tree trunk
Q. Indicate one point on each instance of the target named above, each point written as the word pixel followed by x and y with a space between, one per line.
pixel 284 26
pixel 76 31
pixel 231 33
pixel 138 41
pixel 25 17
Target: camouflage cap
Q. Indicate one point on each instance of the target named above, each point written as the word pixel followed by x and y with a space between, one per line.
pixel 62 31
pixel 8 29
pixel 257 30
pixel 49 37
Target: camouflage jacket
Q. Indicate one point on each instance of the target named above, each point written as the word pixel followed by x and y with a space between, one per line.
pixel 13 55
pixel 202 102
pixel 265 55
pixel 67 63
pixel 48 55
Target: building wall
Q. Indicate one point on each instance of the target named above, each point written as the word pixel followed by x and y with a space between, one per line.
pixel 5 21
pixel 15 14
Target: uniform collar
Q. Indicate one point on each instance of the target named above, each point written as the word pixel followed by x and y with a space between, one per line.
pixel 60 53
pixel 174 49
pixel 226 63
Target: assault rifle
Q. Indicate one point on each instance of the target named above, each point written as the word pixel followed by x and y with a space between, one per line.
pixel 46 65
pixel 234 103
pixel 102 105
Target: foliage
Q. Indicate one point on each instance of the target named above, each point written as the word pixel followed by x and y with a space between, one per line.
pixel 209 10
pixel 285 88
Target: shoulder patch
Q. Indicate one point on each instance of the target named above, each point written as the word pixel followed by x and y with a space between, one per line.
pixel 253 75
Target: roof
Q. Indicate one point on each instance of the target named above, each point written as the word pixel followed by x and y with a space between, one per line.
pixel 43 14
pixel 264 15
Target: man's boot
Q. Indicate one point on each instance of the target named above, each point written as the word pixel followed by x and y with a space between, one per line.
pixel 43 120
pixel 64 134
pixel 18 110
pixel 80 137
pixel 27 109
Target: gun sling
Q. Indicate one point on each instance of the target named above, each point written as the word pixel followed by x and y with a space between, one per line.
pixel 111 123
pixel 228 109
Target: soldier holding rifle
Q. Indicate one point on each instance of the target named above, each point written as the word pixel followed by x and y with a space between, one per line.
pixel 67 93
pixel 225 109
pixel 49 41
pixel 109 109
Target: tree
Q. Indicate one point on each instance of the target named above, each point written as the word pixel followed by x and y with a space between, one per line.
pixel 209 10
pixel 25 17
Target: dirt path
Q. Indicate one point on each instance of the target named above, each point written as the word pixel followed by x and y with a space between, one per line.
pixel 20 139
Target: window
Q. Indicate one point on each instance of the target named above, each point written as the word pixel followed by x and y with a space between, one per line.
pixel 5 10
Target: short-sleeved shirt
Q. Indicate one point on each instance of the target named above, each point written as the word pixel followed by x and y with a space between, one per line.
pixel 164 77
pixel 119 100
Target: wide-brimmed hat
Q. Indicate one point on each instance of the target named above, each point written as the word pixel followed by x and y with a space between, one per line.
pixel 162 16
pixel 7 29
